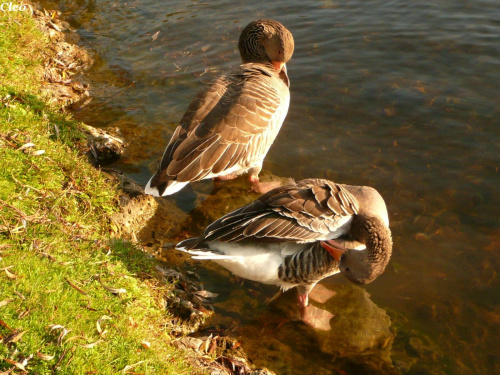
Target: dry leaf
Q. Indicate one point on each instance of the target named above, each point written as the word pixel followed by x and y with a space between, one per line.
pixel 5 325
pixel 44 357
pixel 20 295
pixel 156 35
pixel 205 294
pixel 117 291
pixel 9 274
pixel 14 337
pixel 113 290
pixel 38 152
pixel 19 365
pixel 98 324
pixel 75 287
pixel 54 26
pixel 48 256
pixel 5 302
pixel 91 345
pixel 23 314
pixel 59 62
pixel 130 367
pixel 26 145
pixel 208 341
pixel 145 344
pixel 63 333
pixel 73 338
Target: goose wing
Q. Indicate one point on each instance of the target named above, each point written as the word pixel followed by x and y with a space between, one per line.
pixel 224 125
pixel 308 211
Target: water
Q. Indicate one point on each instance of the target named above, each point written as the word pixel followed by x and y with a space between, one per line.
pixel 399 95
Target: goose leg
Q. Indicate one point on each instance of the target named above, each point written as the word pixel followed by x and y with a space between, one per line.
pixel 303 297
pixel 303 302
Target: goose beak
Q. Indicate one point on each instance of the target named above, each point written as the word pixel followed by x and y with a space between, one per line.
pixel 336 250
pixel 281 69
pixel 278 65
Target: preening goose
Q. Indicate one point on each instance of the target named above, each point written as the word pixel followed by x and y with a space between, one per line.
pixel 298 234
pixel 231 124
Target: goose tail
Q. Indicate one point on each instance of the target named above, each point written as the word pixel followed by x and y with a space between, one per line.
pixel 201 251
pixel 163 189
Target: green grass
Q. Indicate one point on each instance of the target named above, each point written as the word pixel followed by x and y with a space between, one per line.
pixel 61 269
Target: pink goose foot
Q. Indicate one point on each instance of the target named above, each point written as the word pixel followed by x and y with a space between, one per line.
pixel 313 316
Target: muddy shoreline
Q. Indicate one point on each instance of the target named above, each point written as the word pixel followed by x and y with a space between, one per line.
pixel 66 85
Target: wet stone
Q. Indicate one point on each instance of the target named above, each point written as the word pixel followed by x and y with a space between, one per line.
pixel 358 326
pixel 105 145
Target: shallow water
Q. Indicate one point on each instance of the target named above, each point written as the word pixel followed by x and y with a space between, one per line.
pixel 399 95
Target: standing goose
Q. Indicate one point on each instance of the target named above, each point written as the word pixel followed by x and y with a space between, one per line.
pixel 286 237
pixel 230 125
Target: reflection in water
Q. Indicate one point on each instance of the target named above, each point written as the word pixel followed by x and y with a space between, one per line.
pixel 354 331
pixel 316 317
pixel 402 96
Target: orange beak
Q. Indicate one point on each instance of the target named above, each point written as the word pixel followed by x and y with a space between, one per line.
pixel 335 249
pixel 278 65
pixel 281 68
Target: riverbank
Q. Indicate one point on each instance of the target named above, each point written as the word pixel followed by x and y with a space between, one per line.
pixel 78 293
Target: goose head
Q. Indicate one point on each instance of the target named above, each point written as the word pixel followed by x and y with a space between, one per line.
pixel 364 266
pixel 267 42
pixel 370 228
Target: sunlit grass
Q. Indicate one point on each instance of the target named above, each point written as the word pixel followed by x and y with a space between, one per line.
pixel 73 299
pixel 21 52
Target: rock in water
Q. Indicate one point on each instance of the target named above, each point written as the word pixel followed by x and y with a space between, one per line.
pixel 359 329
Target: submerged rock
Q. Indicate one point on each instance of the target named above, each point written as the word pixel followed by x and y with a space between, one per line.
pixel 346 326
pixel 359 326
pixel 359 331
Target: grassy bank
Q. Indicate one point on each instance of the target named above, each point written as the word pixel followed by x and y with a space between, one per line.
pixel 73 299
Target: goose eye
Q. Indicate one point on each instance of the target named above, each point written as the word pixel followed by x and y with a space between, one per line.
pixel 348 269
